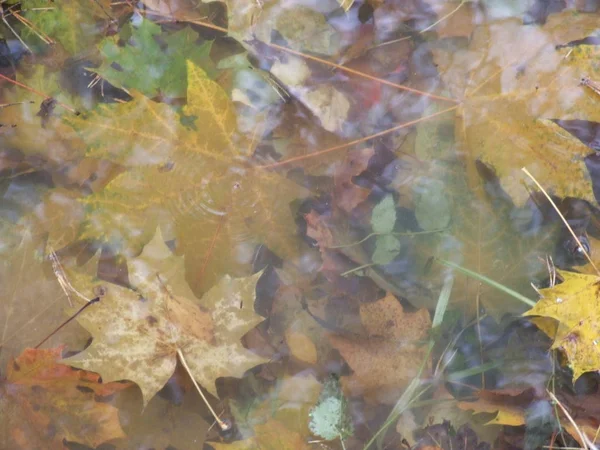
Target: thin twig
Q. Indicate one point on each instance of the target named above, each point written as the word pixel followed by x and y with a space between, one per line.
pixel 90 302
pixel 41 94
pixel 337 66
pixel 356 141
pixel 581 434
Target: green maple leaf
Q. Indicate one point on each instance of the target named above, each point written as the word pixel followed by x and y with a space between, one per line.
pixel 138 332
pixel 200 183
pixel 142 64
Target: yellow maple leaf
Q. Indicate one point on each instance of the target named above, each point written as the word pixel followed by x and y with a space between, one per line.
pixel 199 183
pixel 574 304
pixel 138 333
pixel 513 79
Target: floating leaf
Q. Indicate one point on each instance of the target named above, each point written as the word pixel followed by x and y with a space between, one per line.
pixel 574 304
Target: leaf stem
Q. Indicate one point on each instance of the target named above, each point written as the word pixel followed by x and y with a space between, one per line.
pixel 92 301
pixel 356 269
pixel 221 424
pixel 367 237
pixel 357 141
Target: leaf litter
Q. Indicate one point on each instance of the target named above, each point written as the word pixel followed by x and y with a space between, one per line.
pixel 265 153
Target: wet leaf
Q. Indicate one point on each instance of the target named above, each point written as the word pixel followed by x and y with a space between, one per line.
pixel 387 248
pixel 201 183
pixel 573 304
pixel 383 217
pixel 45 404
pixel 390 356
pixel 272 435
pixel 144 65
pixel 137 332
pixel 508 106
pixel 330 418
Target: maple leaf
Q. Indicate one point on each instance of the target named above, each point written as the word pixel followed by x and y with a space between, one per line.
pixel 573 303
pixel 45 404
pixel 509 98
pixel 390 357
pixel 272 435
pixel 487 237
pixel 145 66
pixel 138 332
pixel 197 181
pixel 33 300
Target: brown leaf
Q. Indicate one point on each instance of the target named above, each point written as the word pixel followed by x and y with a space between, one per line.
pixel 390 357
pixel 346 193
pixel 44 404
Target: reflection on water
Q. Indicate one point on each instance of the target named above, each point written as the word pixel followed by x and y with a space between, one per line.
pixel 350 151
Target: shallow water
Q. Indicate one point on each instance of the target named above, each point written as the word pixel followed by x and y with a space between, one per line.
pixel 277 199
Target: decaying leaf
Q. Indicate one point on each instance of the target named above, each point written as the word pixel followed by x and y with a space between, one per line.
pixel 138 332
pixel 347 194
pixel 45 404
pixel 390 356
pixel 330 418
pixel 511 97
pixel 328 103
pixel 200 182
pixel 574 304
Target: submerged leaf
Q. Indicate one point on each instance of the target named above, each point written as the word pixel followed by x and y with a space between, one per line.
pixel 44 404
pixel 201 183
pixel 387 360
pixel 144 65
pixel 507 109
pixel 330 418
pixel 383 217
pixel 387 248
pixel 138 332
